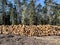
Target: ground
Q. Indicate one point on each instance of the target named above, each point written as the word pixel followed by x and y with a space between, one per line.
pixel 24 40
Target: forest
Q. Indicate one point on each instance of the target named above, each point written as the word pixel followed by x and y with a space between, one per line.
pixel 27 12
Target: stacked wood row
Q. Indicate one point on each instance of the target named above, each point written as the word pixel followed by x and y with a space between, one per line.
pixel 39 30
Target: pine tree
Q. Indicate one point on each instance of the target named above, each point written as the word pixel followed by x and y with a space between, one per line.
pixel 38 14
pixel 57 14
pixel 4 2
pixel 32 12
pixel 17 7
pixel 49 4
pixel 23 11
pixel 11 10
pixel 1 12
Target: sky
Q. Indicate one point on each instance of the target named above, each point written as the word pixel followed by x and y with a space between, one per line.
pixel 42 2
pixel 58 1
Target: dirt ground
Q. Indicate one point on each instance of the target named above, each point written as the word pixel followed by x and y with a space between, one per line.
pixel 24 40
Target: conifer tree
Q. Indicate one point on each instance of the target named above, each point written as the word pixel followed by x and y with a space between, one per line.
pixel 32 12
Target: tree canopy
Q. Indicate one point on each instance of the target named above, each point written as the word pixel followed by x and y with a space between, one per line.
pixel 26 12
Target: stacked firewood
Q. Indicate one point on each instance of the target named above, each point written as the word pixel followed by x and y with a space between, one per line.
pixel 32 30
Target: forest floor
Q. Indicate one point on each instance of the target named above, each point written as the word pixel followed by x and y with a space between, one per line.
pixel 24 40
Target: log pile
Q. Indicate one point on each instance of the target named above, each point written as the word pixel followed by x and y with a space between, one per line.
pixel 39 30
